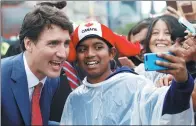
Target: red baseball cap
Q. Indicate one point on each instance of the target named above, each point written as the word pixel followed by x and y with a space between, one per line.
pixel 96 29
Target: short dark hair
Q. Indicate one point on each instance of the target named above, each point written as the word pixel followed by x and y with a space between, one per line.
pixel 42 16
pixel 145 23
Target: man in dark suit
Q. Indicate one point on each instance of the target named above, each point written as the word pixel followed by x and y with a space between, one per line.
pixel 30 79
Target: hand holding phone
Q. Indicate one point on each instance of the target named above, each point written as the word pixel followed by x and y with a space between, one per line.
pixel 150 62
pixel 175 64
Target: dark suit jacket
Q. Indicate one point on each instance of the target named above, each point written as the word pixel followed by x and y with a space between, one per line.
pixel 15 103
pixel 60 98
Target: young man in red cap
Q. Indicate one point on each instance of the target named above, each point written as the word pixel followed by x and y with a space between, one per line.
pixel 122 97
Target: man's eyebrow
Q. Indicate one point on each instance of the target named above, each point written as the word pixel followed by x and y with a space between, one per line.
pixel 68 41
pixel 58 40
pixel 54 40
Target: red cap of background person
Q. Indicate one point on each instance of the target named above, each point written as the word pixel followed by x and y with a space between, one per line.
pixel 96 29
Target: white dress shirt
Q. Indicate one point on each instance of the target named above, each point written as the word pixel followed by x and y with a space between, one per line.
pixel 32 80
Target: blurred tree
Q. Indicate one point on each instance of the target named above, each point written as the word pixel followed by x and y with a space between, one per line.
pixel 132 4
pixel 124 30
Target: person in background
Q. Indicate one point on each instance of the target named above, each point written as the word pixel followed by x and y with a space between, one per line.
pixel 188 48
pixel 162 33
pixel 139 31
pixel 189 56
pixel 183 41
pixel 121 97
pixel 4 46
pixel 137 34
pixel 161 36
pixel 177 35
pixel 13 49
pixel 30 79
pixel 158 39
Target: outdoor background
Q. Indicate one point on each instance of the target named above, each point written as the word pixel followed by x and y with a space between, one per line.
pixel 120 16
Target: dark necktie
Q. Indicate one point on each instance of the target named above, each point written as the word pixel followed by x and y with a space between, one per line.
pixel 36 116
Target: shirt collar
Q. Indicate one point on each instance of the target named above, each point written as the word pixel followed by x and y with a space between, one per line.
pixel 31 78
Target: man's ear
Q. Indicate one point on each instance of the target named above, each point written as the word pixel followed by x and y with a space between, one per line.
pixel 28 44
pixel 113 52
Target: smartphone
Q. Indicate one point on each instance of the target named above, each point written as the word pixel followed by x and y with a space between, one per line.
pixel 150 62
pixel 187 25
pixel 187 8
pixel 172 4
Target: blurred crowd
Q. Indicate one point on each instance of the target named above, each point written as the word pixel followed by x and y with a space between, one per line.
pixel 98 76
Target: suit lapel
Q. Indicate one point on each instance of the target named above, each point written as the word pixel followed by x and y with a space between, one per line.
pixel 20 88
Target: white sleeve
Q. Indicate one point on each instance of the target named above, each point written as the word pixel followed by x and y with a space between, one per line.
pixel 151 108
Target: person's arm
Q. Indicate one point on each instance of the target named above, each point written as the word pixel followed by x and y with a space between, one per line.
pixel 178 96
pixel 194 96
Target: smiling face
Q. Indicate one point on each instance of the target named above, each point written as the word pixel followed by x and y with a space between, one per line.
pixel 161 38
pixel 45 58
pixel 93 56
